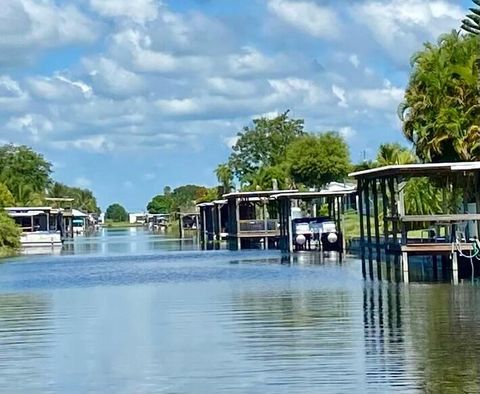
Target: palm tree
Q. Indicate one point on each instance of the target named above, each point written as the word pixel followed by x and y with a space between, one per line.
pixel 225 176
pixel 471 24
pixel 440 109
pixel 389 154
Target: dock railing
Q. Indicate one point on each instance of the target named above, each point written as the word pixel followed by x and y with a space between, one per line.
pixel 259 226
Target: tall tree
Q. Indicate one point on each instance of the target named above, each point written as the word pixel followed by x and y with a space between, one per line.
pixel 20 166
pixel 471 24
pixel 185 197
pixel 440 111
pixel 116 213
pixel 160 204
pixel 316 160
pixel 263 145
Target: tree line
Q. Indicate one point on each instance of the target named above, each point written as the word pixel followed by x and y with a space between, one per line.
pixel 26 180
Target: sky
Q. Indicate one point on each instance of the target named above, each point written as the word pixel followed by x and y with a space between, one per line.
pixel 127 96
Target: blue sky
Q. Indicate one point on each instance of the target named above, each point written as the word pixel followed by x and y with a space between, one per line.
pixel 127 96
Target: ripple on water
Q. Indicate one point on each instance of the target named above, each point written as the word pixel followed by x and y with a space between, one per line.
pixel 190 322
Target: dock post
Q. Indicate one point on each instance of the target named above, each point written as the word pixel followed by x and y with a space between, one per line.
pixel 237 224
pixel 368 217
pixel 406 276
pixel 360 213
pixel 383 188
pixel 455 268
pixel 375 218
pixel 290 230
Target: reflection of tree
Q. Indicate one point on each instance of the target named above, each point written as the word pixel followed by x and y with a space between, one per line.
pixel 445 323
pixel 24 338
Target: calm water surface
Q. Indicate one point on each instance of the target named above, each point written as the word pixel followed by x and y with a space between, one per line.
pixel 130 312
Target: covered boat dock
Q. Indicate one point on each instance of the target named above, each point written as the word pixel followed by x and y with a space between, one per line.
pixel 385 223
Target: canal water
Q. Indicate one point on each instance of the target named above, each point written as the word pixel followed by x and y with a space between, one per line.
pixel 129 312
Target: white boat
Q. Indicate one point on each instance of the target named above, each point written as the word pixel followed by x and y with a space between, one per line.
pixel 41 226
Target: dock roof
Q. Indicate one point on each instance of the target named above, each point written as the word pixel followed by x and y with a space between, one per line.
pixel 417 170
pixel 257 194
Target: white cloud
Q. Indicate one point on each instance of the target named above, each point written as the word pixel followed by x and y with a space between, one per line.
pixel 133 47
pixel 96 144
pixel 251 60
pixel 296 89
pixel 140 11
pixel 231 87
pixel 34 124
pixel 112 79
pixel 347 132
pixel 401 26
pixel 12 97
pixel 59 88
pixel 353 58
pixel 318 21
pixel 82 182
pixel 186 106
pixel 27 26
pixel 340 94
pixel 387 98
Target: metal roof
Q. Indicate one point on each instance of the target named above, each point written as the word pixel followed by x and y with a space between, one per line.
pixel 417 170
pixel 23 209
pixel 312 195
pixel 257 193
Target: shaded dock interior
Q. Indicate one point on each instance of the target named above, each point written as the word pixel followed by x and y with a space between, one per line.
pixel 264 219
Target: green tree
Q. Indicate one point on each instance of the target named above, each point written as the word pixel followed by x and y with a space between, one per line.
pixel 211 195
pixel 83 199
pixel 265 178
pixel 316 160
pixel 21 167
pixel 6 197
pixel 160 204
pixel 471 24
pixel 440 111
pixel 116 213
pixel 225 176
pixel 393 153
pixel 263 145
pixel 185 197
pixel 9 235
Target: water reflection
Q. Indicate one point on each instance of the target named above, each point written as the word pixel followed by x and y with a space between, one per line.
pixel 122 241
pixel 25 340
pixel 112 317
